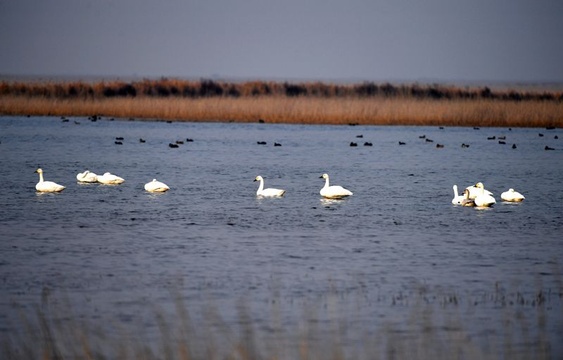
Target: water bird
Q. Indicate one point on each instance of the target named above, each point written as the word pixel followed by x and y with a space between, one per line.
pixel 189 140
pixel 173 146
pixel 110 179
pixel 47 186
pixel 156 186
pixel 475 128
pixel 429 140
pixel 367 143
pixel 540 135
pixel 464 145
pixel 277 144
pixel 550 127
pixel 422 137
pixel 502 137
pixel 269 192
pixel 441 128
pixel 402 143
pixel 118 143
pixel 457 198
pixel 65 120
pixel 491 138
pixel 360 136
pixel 142 140
pixel 334 191
pixel 474 191
pixel 261 142
pixel 466 200
pixel 353 144
pixel 76 122
pixel 87 177
pixel 512 196
pixel 483 199
pixel 548 148
pixel 261 121
pixel 556 137
pixel 179 142
pixel 119 138
pixel 514 146
pixel 502 142
pixel 439 146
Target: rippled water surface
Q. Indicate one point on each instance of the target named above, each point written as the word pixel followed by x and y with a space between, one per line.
pixel 117 252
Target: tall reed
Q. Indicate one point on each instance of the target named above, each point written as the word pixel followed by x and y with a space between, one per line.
pixel 305 110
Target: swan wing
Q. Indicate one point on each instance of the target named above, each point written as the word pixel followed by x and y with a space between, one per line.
pixel 271 192
pixel 156 186
pixel 335 192
pixel 48 186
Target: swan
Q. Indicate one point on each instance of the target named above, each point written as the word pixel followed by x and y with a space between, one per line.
pixel 47 186
pixel 156 186
pixel 87 176
pixel 474 191
pixel 483 199
pixel 512 196
pixel 110 179
pixel 457 198
pixel 335 191
pixel 267 192
pixel 466 200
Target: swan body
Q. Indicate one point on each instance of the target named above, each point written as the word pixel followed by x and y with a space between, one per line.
pixel 270 192
pixel 334 191
pixel 110 179
pixel 474 191
pixel 512 196
pixel 483 199
pixel 47 186
pixel 156 186
pixel 87 177
pixel 457 198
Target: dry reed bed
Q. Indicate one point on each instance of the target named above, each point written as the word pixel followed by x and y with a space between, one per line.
pixel 301 110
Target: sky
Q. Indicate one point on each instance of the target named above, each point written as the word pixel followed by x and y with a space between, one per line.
pixel 513 41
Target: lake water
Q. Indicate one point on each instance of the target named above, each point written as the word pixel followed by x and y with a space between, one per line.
pixel 116 255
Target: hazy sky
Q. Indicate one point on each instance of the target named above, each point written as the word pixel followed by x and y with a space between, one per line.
pixel 434 40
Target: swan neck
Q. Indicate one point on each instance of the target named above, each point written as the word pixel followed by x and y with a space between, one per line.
pixel 261 187
pixel 455 191
pixel 40 177
pixel 327 184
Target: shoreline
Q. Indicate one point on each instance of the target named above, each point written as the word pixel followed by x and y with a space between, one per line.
pixel 300 110
pixel 289 103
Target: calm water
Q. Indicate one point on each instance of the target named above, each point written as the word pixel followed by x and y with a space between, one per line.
pixel 116 252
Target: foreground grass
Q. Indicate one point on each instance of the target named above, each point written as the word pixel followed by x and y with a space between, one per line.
pixel 432 327
pixel 300 110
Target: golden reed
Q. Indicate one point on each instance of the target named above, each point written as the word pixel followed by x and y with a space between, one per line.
pixel 315 103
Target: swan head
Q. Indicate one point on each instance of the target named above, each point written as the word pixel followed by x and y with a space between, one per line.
pixel 39 171
pixel 479 185
pixel 324 176
pixel 511 190
pixel 259 178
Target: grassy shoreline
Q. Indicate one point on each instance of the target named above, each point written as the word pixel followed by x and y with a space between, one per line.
pixel 309 103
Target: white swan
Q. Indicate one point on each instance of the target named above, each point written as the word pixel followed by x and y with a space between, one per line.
pixel 512 196
pixel 483 199
pixel 474 191
pixel 270 192
pixel 156 186
pixel 110 179
pixel 87 177
pixel 335 191
pixel 457 198
pixel 47 186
